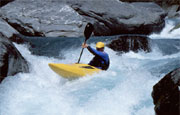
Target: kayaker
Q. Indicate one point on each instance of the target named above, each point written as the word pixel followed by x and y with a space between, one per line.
pixel 101 58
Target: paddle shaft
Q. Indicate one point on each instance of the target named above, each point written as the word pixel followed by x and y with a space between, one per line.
pixel 87 33
pixel 81 52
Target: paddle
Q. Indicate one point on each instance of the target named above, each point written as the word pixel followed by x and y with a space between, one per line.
pixel 87 33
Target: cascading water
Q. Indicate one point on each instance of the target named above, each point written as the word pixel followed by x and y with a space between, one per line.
pixel 125 89
pixel 166 32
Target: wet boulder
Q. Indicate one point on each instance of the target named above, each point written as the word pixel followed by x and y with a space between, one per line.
pixel 43 18
pixel 172 11
pixel 18 38
pixel 166 94
pixel 9 32
pixel 11 61
pixel 69 17
pixel 6 29
pixel 115 17
pixel 170 6
pixel 128 43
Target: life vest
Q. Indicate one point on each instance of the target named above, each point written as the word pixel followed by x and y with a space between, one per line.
pixel 100 63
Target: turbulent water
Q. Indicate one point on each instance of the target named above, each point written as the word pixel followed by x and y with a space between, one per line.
pixel 125 89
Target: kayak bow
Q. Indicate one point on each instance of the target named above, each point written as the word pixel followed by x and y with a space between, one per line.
pixel 73 70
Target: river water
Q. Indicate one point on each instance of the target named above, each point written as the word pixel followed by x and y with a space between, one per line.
pixel 125 89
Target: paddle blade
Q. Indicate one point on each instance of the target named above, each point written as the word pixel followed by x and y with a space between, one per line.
pixel 88 30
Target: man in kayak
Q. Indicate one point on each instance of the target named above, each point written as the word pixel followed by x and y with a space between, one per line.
pixel 101 58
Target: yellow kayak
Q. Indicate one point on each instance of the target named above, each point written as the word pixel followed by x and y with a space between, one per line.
pixel 73 70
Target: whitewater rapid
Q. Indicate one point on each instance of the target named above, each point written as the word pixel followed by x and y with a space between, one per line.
pixel 166 32
pixel 125 89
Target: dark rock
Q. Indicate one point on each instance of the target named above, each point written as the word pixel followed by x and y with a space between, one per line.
pixel 9 32
pixel 113 17
pixel 130 43
pixel 136 0
pixel 24 29
pixel 17 38
pixel 6 29
pixel 160 2
pixel 178 9
pixel 167 2
pixel 11 61
pixel 166 94
pixel 52 18
pixel 170 6
pixel 172 11
pixel 4 2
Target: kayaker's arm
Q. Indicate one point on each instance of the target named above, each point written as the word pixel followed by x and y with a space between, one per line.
pixel 95 52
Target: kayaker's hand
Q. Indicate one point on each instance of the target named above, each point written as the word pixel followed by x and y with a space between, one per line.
pixel 84 45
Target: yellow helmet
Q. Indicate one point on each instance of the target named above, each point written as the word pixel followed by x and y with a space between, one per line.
pixel 100 45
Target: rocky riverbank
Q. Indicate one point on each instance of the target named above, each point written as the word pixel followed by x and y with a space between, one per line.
pixel 68 18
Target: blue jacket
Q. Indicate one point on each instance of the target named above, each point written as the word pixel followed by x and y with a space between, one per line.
pixel 100 60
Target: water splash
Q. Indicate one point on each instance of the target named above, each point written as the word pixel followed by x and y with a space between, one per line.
pixel 125 88
pixel 166 34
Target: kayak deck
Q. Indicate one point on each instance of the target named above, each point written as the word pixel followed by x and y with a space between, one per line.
pixel 73 70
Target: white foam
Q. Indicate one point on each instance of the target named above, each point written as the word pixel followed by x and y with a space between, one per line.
pixel 125 88
pixel 166 34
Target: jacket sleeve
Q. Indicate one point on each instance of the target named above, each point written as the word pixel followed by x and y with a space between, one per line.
pixel 96 52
